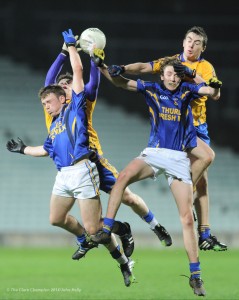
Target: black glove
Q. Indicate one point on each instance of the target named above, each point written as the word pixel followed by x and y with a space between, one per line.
pixel 16 147
pixel 214 83
pixel 116 70
pixel 98 57
pixel 182 71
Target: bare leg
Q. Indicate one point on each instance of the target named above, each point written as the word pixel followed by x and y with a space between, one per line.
pixel 59 208
pixel 183 195
pixel 201 157
pixel 201 201
pixel 91 212
pixel 135 202
pixel 135 171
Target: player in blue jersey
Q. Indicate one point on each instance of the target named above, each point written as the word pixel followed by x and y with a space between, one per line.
pixel 107 172
pixel 194 45
pixel 68 145
pixel 172 137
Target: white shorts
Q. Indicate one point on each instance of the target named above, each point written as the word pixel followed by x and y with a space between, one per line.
pixel 80 181
pixel 174 164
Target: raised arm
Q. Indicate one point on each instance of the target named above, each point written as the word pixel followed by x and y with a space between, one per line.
pixel 133 69
pixel 119 81
pixel 92 86
pixel 76 64
pixel 55 69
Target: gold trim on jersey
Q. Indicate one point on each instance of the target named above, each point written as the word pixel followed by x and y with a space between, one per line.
pixel 206 70
pixel 94 142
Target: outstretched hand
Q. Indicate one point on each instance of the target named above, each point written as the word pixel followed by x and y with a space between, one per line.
pixel 116 70
pixel 16 147
pixel 69 38
pixel 214 83
pixel 65 50
pixel 182 71
pixel 98 57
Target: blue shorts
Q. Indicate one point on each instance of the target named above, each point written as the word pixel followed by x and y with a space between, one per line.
pixel 202 133
pixel 107 173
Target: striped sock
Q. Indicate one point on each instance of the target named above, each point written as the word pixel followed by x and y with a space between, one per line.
pixel 195 270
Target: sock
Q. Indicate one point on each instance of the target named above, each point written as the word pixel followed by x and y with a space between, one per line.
pixel 195 270
pixel 108 225
pixel 81 239
pixel 120 228
pixel 120 257
pixel 204 231
pixel 150 219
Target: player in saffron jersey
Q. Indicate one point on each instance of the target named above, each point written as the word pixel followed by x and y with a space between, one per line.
pixel 107 172
pixel 194 44
pixel 68 145
pixel 172 136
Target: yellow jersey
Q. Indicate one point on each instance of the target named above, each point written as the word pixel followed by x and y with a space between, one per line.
pixel 203 69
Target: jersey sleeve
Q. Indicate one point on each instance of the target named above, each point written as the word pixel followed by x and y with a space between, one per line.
pixel 55 69
pixel 91 88
pixel 207 70
pixel 48 146
pixel 51 76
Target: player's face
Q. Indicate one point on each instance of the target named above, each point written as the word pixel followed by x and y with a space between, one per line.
pixel 193 46
pixel 170 78
pixel 66 84
pixel 53 104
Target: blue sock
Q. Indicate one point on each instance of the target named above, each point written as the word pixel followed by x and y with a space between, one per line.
pixel 205 234
pixel 108 225
pixel 195 270
pixel 149 217
pixel 81 238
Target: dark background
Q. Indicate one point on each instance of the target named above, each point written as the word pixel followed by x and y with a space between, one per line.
pixel 135 31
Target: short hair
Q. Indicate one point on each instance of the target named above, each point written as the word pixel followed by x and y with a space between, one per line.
pixel 52 88
pixel 199 31
pixel 168 61
pixel 67 76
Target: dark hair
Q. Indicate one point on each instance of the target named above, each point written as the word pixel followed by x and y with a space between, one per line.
pixel 67 76
pixel 199 31
pixel 168 61
pixel 53 88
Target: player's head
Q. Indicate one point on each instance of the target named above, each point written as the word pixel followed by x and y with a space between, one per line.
pixel 167 74
pixel 53 97
pixel 194 43
pixel 65 81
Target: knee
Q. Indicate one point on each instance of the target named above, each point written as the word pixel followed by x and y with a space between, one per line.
pixel 209 157
pixel 91 228
pixel 187 219
pixel 124 177
pixel 56 221
pixel 129 198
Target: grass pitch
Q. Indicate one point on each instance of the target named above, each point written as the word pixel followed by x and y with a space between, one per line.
pixel 52 274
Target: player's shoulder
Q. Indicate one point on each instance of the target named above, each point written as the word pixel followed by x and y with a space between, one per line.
pixel 205 62
pixel 146 85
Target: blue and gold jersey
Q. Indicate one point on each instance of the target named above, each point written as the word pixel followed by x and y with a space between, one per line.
pixel 170 115
pixel 206 71
pixel 68 139
pixel 94 141
pixel 91 91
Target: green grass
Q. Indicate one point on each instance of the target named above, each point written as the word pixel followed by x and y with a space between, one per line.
pixel 51 274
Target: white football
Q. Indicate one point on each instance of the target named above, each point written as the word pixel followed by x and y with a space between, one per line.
pixel 92 36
